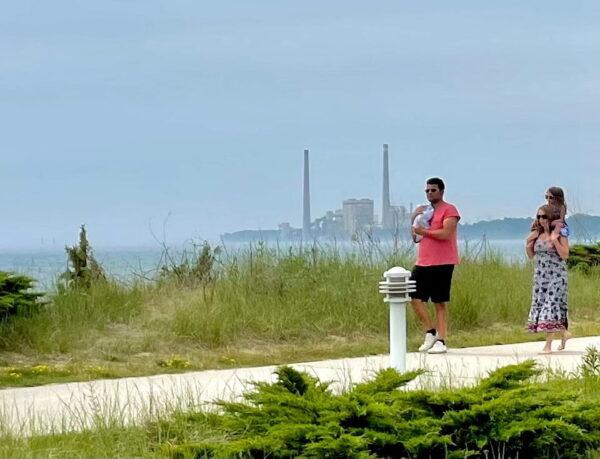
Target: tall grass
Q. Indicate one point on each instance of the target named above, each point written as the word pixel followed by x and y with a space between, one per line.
pixel 72 319
pixel 298 303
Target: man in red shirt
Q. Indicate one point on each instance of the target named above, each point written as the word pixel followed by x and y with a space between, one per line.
pixel 437 255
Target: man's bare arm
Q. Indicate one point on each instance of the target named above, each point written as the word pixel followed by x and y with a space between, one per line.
pixel 448 228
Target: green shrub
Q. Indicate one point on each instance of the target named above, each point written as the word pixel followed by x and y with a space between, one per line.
pixel 194 268
pixel 83 267
pixel 505 415
pixel 15 295
pixel 583 257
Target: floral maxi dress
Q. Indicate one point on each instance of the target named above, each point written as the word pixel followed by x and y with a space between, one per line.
pixel 548 311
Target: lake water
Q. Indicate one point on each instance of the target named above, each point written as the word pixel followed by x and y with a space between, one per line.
pixel 128 263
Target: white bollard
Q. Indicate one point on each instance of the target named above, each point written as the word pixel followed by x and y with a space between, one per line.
pixel 397 288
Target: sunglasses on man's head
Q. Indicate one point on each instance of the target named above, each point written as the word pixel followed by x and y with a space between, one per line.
pixel 545 217
pixel 431 190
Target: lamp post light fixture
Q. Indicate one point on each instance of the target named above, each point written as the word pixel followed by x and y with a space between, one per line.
pixel 396 287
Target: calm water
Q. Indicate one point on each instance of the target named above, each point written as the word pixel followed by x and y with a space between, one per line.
pixel 127 264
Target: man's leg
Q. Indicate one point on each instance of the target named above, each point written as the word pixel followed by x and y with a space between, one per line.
pixel 441 314
pixel 419 304
pixel 420 309
pixel 440 297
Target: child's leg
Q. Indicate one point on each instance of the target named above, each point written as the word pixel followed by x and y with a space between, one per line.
pixel 558 225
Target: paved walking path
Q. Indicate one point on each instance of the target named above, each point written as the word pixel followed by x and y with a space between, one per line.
pixel 75 406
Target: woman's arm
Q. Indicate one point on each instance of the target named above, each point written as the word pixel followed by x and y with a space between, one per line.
pixel 529 250
pixel 561 244
pixel 530 243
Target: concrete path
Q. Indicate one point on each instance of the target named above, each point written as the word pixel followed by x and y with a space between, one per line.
pixel 76 406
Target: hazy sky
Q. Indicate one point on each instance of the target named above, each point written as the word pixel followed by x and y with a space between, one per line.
pixel 126 114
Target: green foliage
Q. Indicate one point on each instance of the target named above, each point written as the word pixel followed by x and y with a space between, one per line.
pixel 590 367
pixel 73 320
pixel 291 380
pixel 583 257
pixel 196 267
pixel 506 414
pixel 83 268
pixel 265 305
pixel 15 295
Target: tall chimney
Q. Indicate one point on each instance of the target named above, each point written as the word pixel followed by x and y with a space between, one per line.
pixel 306 200
pixel 386 215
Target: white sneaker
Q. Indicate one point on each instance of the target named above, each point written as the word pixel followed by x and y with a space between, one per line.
pixel 430 340
pixel 438 348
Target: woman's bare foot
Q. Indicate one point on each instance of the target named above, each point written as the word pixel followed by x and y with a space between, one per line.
pixel 548 346
pixel 563 340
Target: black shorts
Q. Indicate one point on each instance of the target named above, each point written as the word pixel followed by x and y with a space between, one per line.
pixel 432 282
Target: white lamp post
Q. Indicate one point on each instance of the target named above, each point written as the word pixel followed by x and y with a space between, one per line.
pixel 396 288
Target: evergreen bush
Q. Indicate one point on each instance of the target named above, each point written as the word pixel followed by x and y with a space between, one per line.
pixel 15 295
pixel 505 415
pixel 583 257
pixel 83 268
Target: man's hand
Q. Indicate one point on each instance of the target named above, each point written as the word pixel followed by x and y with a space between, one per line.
pixel 417 230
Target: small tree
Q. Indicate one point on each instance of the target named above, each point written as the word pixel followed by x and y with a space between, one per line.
pixel 15 296
pixel 83 268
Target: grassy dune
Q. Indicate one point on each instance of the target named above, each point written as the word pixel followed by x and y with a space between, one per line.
pixel 262 306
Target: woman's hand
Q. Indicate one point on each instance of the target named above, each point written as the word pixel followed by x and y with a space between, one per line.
pixel 561 244
pixel 557 226
pixel 532 236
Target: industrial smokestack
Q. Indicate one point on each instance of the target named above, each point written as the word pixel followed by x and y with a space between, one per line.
pixel 386 214
pixel 306 200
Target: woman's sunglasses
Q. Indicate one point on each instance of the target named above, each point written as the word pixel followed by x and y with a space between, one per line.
pixel 545 217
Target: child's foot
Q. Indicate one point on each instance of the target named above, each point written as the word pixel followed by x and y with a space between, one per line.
pixel 563 341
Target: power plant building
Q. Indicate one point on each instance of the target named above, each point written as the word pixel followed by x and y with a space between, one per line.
pixel 358 215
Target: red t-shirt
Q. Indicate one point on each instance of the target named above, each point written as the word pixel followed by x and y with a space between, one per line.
pixel 433 252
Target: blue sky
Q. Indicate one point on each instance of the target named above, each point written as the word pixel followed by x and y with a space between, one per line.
pixel 137 115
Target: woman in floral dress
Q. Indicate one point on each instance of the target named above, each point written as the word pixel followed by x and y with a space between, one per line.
pixel 550 250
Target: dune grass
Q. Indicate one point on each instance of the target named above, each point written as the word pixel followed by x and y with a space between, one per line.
pixel 262 306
